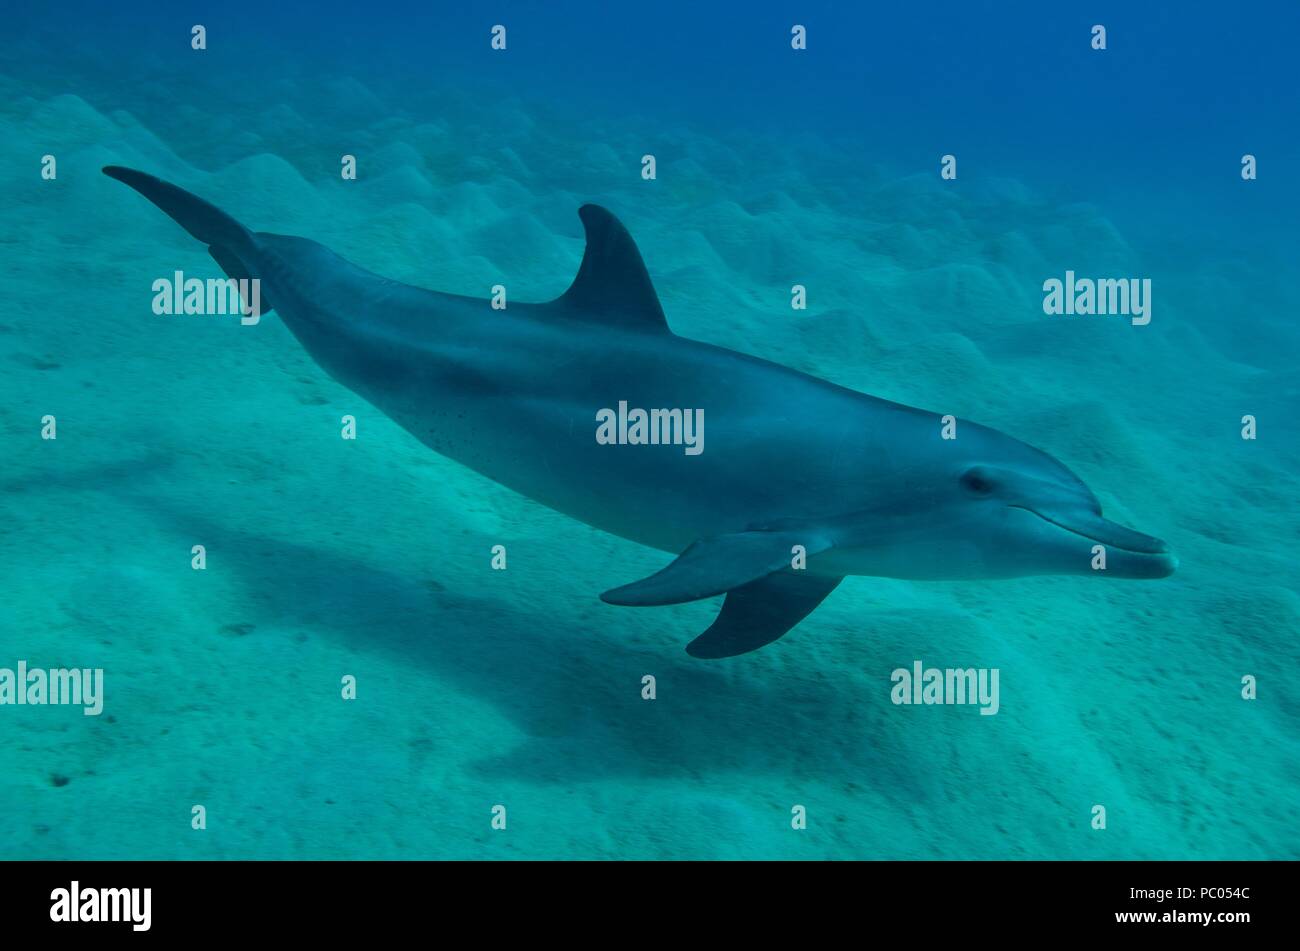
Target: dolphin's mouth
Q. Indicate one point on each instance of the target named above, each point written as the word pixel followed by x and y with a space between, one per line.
pixel 1111 534
pixel 1116 537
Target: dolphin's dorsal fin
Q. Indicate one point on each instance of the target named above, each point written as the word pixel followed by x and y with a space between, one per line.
pixel 612 284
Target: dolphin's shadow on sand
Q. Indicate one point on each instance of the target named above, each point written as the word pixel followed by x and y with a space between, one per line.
pixel 575 690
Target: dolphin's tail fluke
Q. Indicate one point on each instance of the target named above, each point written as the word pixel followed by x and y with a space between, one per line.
pixel 230 243
pixel 206 222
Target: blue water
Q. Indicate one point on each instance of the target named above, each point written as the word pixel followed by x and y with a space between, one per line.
pixel 478 688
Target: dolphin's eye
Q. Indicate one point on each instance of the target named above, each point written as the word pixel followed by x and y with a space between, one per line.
pixel 973 480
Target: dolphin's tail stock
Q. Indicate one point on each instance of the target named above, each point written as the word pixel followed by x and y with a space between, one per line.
pixel 230 243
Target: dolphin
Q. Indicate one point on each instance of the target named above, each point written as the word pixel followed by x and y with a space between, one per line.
pixel 799 484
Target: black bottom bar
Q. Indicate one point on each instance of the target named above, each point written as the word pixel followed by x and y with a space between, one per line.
pixel 212 900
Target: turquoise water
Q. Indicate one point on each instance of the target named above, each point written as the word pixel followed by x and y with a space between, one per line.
pixel 371 558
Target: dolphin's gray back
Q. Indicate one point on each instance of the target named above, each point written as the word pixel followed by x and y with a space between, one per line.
pixel 514 393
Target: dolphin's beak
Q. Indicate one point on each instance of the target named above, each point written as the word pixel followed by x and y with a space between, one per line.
pixel 1129 554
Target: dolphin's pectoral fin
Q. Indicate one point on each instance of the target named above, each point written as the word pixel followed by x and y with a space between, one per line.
pixel 758 613
pixel 612 285
pixel 714 565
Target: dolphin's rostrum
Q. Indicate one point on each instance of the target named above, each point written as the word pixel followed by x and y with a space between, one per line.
pixel 858 485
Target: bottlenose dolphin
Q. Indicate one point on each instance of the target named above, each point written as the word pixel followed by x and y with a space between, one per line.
pixel 800 482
